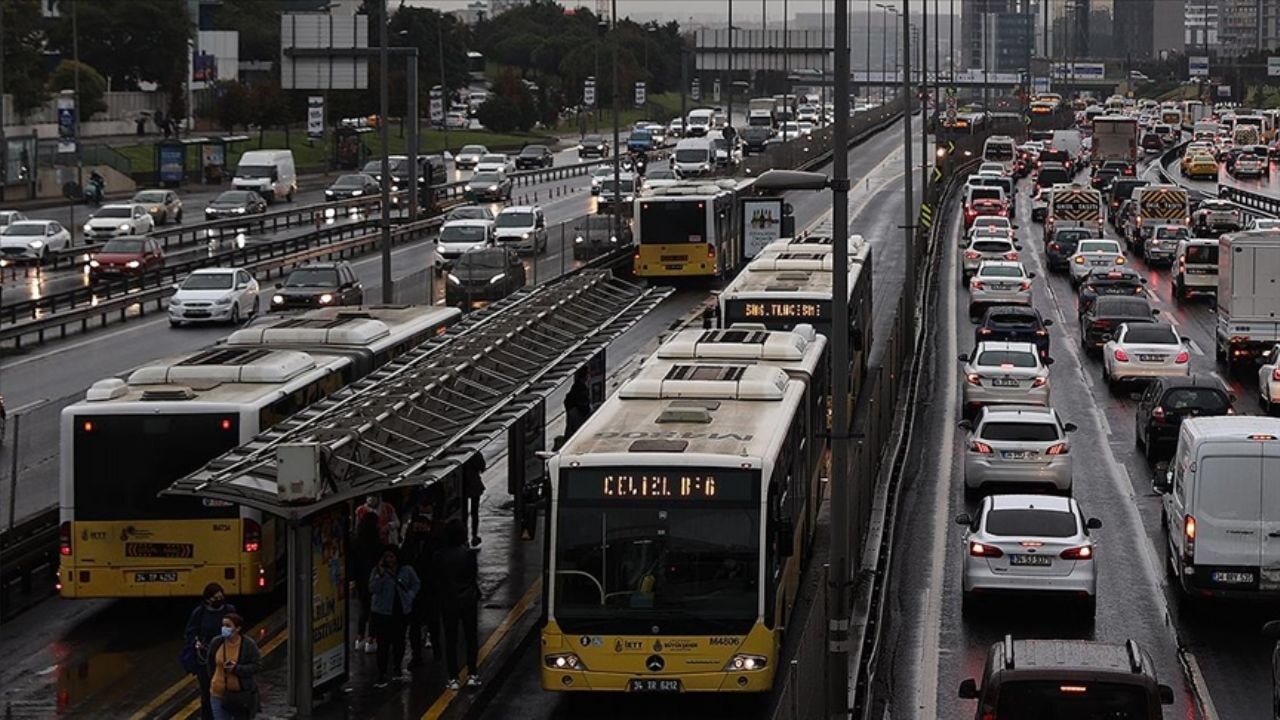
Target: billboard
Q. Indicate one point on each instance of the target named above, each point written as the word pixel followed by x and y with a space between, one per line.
pixel 1198 66
pixel 328 597
pixel 315 116
pixel 1078 70
pixel 1273 66
pixel 763 224
pixel 314 33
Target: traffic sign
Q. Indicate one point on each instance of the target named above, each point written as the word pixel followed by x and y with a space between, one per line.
pixel 926 215
pixel 1273 66
pixel 937 173
pixel 589 92
pixel 437 105
pixel 640 94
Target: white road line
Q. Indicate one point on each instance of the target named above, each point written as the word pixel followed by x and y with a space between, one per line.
pixel 1195 348
pixel 931 627
pixel 1197 678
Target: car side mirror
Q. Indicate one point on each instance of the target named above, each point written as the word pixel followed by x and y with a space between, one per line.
pixel 963 357
pixel 1017 227
pixel 1166 694
pixel 279 285
pixel 965 425
pixel 1232 397
pixel 1155 312
pixel 964 519
pixel 1271 630
pixel 1031 274
pixel 1093 524
pixel 1048 361
pixel 1185 340
pixel 1048 323
pixel 1163 486
pixel 969 690
pixel 1107 337
pixel 1070 427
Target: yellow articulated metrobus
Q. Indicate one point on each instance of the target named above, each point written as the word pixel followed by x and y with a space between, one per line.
pixel 134 436
pixel 673 560
pixel 690 230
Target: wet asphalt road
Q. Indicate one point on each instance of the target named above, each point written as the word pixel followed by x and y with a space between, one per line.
pixel 931 648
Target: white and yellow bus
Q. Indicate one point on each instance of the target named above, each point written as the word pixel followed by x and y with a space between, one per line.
pixel 673 563
pixel 133 436
pixel 690 230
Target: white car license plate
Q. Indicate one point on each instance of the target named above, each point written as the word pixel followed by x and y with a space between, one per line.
pixel 1152 358
pixel 1015 454
pixel 1233 578
pixel 1031 560
pixel 168 576
pixel 1099 263
pixel 1004 382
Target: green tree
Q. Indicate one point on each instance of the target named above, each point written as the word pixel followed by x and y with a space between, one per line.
pixel 267 108
pixel 257 21
pixel 93 87
pixel 231 109
pixel 499 114
pixel 24 72
pixel 128 41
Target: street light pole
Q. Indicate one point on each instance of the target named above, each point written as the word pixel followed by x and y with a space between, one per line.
pixel 617 162
pixel 384 131
pixel 729 83
pixel 867 86
pixel 908 208
pixel 444 89
pixel 884 51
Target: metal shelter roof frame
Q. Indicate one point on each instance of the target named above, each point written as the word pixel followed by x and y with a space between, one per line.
pixel 421 417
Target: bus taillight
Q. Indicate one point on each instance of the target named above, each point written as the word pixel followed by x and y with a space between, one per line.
pixel 251 533
pixel 711 252
pixel 64 539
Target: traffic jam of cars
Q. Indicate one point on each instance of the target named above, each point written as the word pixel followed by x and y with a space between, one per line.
pixel 1126 261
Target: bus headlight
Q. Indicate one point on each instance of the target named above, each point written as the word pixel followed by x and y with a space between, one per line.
pixel 564 661
pixel 746 663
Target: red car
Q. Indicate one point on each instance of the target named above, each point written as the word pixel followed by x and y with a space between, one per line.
pixel 984 207
pixel 126 256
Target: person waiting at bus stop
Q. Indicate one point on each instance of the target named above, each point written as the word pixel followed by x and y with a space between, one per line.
pixel 577 403
pixel 392 589
pixel 423 537
pixel 456 573
pixel 203 626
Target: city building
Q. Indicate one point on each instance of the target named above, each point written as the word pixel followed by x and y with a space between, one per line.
pixel 1009 42
pixel 1238 27
pixel 1201 26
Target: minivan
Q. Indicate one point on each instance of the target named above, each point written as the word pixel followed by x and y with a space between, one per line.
pixel 1221 499
pixel 692 157
pixel 270 173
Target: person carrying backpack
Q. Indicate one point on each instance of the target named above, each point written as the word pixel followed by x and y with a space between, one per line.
pixel 203 626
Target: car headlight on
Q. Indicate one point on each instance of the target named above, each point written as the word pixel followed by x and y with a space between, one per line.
pixel 88 228
pixel 124 227
pixel 326 298
pixel 743 662
pixel 357 193
pixel 35 244
pixel 238 211
pixel 467 187
pixel 94 264
pixel 525 236
pixel 453 279
pixel 222 301
pixel 613 239
pixel 328 193
pixel 133 264
pixel 577 240
pixel 155 209
pixel 493 187
pixel 564 661
pixel 277 299
pixel 497 278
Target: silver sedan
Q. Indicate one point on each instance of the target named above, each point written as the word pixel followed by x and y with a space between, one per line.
pixel 1023 446
pixel 986 247
pixel 1029 545
pixel 1093 254
pixel 1142 351
pixel 999 282
pixel 1004 373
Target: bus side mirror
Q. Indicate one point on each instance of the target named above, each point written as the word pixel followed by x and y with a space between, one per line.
pixel 1166 695
pixel 785 539
pixel 969 690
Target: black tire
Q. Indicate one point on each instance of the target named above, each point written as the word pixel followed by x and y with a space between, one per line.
pixel 235 314
pixel 178 218
pixel 1149 451
pixel 968 605
pixel 257 306
pixel 174 323
pixel 972 494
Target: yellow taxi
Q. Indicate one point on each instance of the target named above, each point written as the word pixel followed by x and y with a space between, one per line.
pixel 1199 165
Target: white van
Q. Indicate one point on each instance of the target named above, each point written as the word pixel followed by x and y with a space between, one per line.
pixel 1195 267
pixel 270 173
pixel 700 122
pixel 1221 500
pixel 1000 149
pixel 692 157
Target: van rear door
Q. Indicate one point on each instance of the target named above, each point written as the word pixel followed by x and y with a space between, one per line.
pixel 1228 517
pixel 1270 531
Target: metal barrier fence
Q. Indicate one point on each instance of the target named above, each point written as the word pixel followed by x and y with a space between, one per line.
pixel 1256 204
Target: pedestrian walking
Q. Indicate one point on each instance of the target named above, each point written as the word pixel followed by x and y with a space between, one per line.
pixel 422 538
pixel 203 626
pixel 473 489
pixel 577 403
pixel 366 550
pixel 233 661
pixel 456 572
pixel 392 588
pixel 388 521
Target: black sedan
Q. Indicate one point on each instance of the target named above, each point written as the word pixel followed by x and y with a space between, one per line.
pixel 1102 177
pixel 593 146
pixel 234 203
pixel 1121 281
pixel 483 275
pixel 322 284
pixel 533 157
pixel 1168 401
pixel 352 186
pixel 489 186
pixel 593 235
pixel 1061 245
pixel 755 139
pixel 1014 323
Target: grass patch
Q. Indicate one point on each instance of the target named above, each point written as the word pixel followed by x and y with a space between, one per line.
pixel 660 108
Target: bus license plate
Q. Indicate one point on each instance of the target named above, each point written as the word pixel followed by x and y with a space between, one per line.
pixel 156 576
pixel 645 685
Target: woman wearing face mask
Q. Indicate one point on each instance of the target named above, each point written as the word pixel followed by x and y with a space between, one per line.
pixel 203 626
pixel 392 589
pixel 233 661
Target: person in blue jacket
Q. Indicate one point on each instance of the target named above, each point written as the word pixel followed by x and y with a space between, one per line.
pixel 392 589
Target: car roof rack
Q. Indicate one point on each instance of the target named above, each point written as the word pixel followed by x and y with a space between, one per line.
pixel 1008 652
pixel 1135 655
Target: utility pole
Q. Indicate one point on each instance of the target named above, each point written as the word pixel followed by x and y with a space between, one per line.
pixel 908 208
pixel 444 89
pixel 4 144
pixel 837 701
pixel 75 111
pixel 924 100
pixel 867 85
pixel 617 162
pixel 729 84
pixel 385 132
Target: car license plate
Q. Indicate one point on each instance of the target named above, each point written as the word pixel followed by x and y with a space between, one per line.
pixel 1015 454
pixel 1031 560
pixel 1232 578
pixel 1152 358
pixel 1099 263
pixel 647 685
pixel 674 267
pixel 1004 382
pixel 156 576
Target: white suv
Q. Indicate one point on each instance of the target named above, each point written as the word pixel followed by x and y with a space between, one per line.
pixel 119 220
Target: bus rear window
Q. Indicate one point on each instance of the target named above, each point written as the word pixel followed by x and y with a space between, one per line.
pixel 122 462
pixel 674 222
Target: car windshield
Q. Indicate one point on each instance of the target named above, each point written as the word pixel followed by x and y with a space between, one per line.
pixel 1098 246
pixel 255 171
pixel 1023 522
pixel 1019 431
pixel 472 150
pixel 1014 320
pixel 1071 235
pixel 471 212
pixel 462 233
pixel 313 277
pixel 533 151
pixel 661 174
pixel 150 196
pixel 1077 700
pixel 626 185
pixel 980 193
pixel 1052 176
pixel 494 159
pixel 691 155
pixel 1004 271
pixel 990 222
pixel 992 246
pixel 483 260
pixel 1006 358
pixel 595 140
pixel 233 197
pixel 352 181
pixel 209 281
pixel 641 135
pixel 1151 334
pixel 491 178
pixel 515 220
pixel 1172 233
pixel 114 212
pixel 1209 400
pixel 123 246
pixel 25 229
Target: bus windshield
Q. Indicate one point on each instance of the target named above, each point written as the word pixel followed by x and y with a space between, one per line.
pixel 686 558
pixel 122 462
pixel 999 152
pixel 674 222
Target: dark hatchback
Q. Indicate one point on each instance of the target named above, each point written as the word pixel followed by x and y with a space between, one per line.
pixel 1120 281
pixel 235 203
pixel 1105 316
pixel 483 275
pixel 593 146
pixel 1014 323
pixel 323 284
pixel 1167 401
pixel 534 156
pixel 1102 177
pixel 352 186
pixel 1121 189
pixel 593 235
pixel 755 138
pixel 1062 245
pixel 1051 174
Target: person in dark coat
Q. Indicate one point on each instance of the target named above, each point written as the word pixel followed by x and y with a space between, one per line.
pixel 392 589
pixel 203 626
pixel 456 572
pixel 577 403
pixel 366 550
pixel 473 489
pixel 423 537
pixel 233 661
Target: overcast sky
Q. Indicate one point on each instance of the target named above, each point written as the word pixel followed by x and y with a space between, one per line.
pixel 703 10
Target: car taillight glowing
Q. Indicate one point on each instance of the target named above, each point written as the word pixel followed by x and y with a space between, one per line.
pixel 1055 247
pixel 977 285
pixel 1002 213
pixel 64 539
pixel 1011 255
pixel 1120 260
pixel 1120 355
pixel 1182 358
pixel 1084 552
pixel 1157 413
pixel 987 331
pixel 1275 373
pixel 711 251
pixel 251 535
pixel 1079 259
pixel 977 549
pixel 1059 449
pixel 973 379
pixel 972 254
pixel 1039 382
pixel 1026 285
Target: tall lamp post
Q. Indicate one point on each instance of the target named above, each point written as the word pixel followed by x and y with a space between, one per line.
pixel 617 160
pixel 884 47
